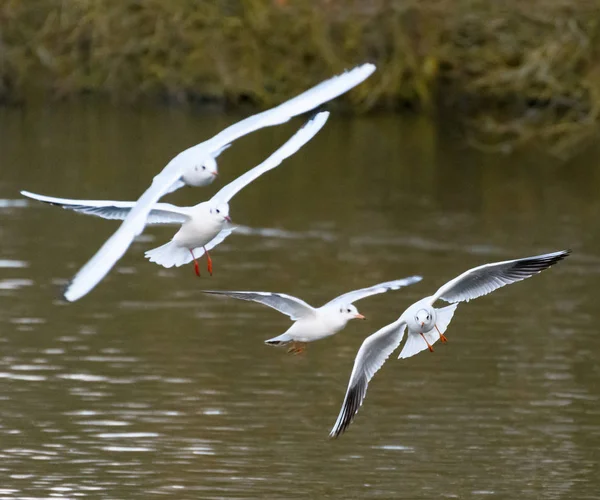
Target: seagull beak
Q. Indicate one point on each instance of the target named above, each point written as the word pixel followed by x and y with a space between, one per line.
pixel 227 218
pixel 360 316
pixel 215 173
pixel 422 324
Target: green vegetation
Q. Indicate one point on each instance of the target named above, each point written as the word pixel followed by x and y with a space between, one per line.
pixel 513 71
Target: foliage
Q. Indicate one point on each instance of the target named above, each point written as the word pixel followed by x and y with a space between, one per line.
pixel 514 71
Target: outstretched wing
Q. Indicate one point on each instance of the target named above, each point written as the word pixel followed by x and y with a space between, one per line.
pixel 291 306
pixel 350 297
pixel 114 248
pixel 489 277
pixel 370 358
pixel 299 139
pixel 162 213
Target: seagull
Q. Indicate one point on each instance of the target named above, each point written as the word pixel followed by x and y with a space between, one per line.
pixel 200 174
pixel 179 170
pixel 203 226
pixel 426 324
pixel 311 323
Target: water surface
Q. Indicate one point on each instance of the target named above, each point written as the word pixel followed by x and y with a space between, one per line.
pixel 146 387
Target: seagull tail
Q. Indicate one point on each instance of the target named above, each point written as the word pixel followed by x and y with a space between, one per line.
pixel 415 343
pixel 282 339
pixel 169 255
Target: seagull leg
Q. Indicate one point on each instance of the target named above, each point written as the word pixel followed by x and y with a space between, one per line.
pixel 208 261
pixel 442 336
pixel 428 344
pixel 196 266
pixel 297 348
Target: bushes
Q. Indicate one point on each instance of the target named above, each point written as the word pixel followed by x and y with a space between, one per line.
pixel 514 71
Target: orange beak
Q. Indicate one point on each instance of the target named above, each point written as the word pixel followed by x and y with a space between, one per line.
pixel 422 324
pixel 360 316
pixel 215 173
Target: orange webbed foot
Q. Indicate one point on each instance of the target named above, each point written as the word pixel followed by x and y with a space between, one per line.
pixel 442 336
pixel 428 344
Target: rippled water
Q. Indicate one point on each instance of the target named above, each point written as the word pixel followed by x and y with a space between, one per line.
pixel 146 387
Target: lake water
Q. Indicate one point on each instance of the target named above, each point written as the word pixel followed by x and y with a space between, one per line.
pixel 148 388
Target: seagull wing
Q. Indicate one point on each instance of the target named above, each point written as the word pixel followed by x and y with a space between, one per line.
pixel 291 306
pixel 299 139
pixel 350 297
pixel 370 358
pixel 307 101
pixel 162 213
pixel 169 179
pixel 489 277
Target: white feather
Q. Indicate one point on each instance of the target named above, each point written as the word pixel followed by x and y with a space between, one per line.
pixel 162 213
pixel 370 358
pixel 415 343
pixel 114 248
pixel 169 256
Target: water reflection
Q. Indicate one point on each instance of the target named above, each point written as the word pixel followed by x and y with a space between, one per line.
pixel 149 387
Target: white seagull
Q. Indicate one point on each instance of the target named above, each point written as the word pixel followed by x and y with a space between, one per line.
pixel 311 323
pixel 180 170
pixel 200 174
pixel 426 324
pixel 203 226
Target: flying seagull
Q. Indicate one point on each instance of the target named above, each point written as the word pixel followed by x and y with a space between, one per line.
pixel 179 170
pixel 203 226
pixel 426 324
pixel 311 323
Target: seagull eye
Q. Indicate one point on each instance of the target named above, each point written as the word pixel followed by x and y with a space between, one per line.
pixel 348 310
pixel 218 211
pixel 203 167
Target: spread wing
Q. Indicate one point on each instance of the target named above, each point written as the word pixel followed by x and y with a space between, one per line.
pixel 162 213
pixel 299 139
pixel 350 297
pixel 370 358
pixel 489 277
pixel 114 248
pixel 291 306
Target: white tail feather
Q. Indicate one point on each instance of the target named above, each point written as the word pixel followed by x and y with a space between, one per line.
pixel 169 255
pixel 415 343
pixel 284 338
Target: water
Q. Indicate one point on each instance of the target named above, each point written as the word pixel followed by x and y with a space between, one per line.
pixel 146 387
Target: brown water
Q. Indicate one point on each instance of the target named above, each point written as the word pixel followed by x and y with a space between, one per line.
pixel 147 388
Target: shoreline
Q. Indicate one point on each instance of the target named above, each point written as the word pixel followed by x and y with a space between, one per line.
pixel 510 74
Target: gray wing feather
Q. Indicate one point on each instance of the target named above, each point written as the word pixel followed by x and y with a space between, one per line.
pixel 350 297
pixel 162 213
pixel 293 307
pixel 370 358
pixel 489 277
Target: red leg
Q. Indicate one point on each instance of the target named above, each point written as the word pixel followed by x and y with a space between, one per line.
pixel 297 348
pixel 428 344
pixel 442 336
pixel 208 261
pixel 196 266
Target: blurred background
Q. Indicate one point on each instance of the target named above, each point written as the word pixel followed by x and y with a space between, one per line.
pixel 507 72
pixel 473 142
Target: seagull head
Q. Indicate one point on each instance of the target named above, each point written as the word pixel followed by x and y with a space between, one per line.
pixel 201 173
pixel 220 212
pixel 424 319
pixel 349 312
